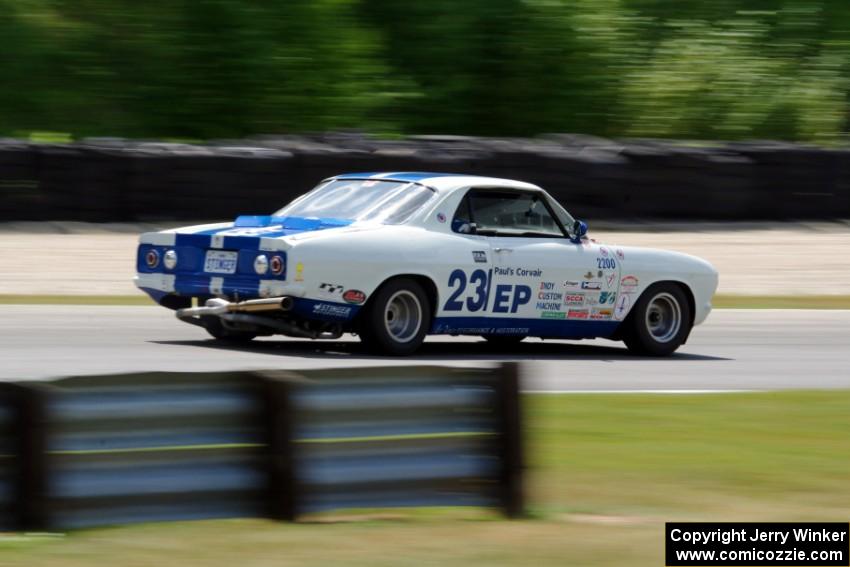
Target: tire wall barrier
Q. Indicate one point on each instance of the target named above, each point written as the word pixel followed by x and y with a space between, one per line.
pixel 106 180
pixel 103 450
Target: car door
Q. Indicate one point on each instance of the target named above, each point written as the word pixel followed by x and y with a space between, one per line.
pixel 542 282
pixel 464 275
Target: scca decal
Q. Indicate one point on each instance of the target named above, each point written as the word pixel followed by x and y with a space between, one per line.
pixel 507 298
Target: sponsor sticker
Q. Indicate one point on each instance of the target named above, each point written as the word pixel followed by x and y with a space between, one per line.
pixel 299 272
pixel 591 285
pixel 609 280
pixel 354 296
pixel 510 331
pixel 620 254
pixel 480 256
pixel 577 314
pixel 330 290
pixel 588 275
pixel 629 283
pixel 607 297
pixel 549 293
pixel 572 299
pixel 220 262
pixel 601 313
pixel 441 217
pixel 622 307
pixel 604 251
pixel 330 310
pixel 571 284
pixel 553 315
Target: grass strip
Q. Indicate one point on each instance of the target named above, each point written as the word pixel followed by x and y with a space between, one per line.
pixel 781 301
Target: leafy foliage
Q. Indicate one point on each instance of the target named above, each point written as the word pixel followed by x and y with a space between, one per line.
pixel 730 69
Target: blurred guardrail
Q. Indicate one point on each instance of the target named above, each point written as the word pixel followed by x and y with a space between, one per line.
pixel 101 450
pixel 109 180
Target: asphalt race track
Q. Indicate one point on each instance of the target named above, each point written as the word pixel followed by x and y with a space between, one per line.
pixel 734 350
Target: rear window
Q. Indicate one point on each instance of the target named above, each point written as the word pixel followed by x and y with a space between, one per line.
pixel 389 202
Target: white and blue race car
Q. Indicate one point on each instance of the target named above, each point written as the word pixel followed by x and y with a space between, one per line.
pixel 394 257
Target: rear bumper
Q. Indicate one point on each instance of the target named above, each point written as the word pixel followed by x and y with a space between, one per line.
pixel 176 292
pixel 158 286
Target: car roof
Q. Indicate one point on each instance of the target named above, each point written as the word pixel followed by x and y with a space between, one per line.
pixel 440 181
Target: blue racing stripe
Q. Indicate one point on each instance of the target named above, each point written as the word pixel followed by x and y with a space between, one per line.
pixel 244 288
pixel 199 240
pixel 241 242
pixel 410 176
pixel 270 227
pixel 192 284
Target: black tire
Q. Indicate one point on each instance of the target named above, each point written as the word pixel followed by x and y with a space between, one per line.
pixel 659 322
pixel 396 319
pixel 217 331
pixel 503 340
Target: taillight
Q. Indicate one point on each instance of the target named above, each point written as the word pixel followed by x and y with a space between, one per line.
pixel 152 258
pixel 276 265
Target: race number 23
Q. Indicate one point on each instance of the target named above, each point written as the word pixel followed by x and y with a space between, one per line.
pixel 473 293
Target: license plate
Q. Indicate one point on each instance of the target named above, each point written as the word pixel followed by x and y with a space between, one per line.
pixel 220 262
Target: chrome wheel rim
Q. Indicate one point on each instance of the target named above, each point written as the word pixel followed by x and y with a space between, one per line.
pixel 403 316
pixel 663 317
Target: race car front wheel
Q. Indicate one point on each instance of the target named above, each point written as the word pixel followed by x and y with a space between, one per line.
pixel 397 318
pixel 660 321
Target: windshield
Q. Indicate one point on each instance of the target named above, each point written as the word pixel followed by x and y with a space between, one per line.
pixel 389 202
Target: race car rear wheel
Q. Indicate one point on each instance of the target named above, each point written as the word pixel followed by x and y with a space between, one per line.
pixel 215 328
pixel 397 318
pixel 660 321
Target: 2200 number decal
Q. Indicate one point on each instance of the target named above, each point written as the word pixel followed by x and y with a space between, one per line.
pixel 606 263
pixel 507 298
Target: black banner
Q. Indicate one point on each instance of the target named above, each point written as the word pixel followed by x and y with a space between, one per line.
pixel 768 543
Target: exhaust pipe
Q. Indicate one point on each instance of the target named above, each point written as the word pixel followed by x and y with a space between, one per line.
pixel 218 306
pixel 284 303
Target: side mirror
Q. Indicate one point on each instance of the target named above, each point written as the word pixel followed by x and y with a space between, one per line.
pixel 579 230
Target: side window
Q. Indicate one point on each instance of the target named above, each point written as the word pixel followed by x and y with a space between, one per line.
pixel 511 214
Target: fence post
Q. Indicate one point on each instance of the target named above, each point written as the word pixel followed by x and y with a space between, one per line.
pixel 279 431
pixel 512 495
pixel 30 427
